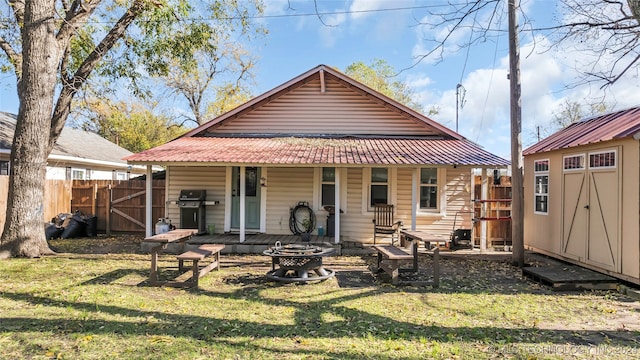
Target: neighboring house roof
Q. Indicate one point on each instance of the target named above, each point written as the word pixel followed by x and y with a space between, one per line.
pixel 613 126
pixel 321 117
pixel 72 145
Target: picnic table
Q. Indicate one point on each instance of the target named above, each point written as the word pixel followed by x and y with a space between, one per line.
pixel 180 236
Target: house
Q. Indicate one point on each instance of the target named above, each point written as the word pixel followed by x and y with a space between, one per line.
pixel 77 155
pixel 582 197
pixel 329 141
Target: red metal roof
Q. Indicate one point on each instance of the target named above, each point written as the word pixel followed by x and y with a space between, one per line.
pixel 612 126
pixel 314 150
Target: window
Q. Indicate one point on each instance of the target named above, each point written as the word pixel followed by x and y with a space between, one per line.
pixel 328 186
pixel 605 159
pixel 4 168
pixel 541 186
pixel 575 162
pixel 379 186
pixel 429 189
pixel 77 174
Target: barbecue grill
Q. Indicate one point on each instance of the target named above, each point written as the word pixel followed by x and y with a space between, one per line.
pixel 192 210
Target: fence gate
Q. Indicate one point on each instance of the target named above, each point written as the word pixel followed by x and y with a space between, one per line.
pixel 119 206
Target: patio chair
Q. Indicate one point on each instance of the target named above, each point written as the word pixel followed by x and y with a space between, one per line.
pixel 384 224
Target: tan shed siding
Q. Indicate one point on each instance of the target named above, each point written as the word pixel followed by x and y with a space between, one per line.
pixel 339 110
pixel 630 232
pixel 543 231
pixel 211 179
pixel 286 187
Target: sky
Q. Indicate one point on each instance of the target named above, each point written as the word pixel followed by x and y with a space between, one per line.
pixel 349 31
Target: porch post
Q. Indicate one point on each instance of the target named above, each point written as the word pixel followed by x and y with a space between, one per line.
pixel 414 198
pixel 149 203
pixel 241 193
pixel 483 211
pixel 337 201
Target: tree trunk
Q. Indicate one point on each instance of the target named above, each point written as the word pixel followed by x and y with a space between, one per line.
pixel 24 227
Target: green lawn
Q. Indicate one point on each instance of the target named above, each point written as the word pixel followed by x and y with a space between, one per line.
pixel 80 305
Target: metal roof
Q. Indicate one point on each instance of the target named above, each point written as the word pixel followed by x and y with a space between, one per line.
pixel 613 126
pixel 316 151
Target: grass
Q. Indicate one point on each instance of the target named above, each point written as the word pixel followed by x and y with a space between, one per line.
pixel 82 305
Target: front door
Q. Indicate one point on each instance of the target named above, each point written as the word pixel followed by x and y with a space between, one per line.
pixel 252 198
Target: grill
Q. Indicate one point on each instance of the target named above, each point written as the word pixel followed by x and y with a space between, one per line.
pixel 192 210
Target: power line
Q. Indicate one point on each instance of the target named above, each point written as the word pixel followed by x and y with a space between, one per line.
pixel 276 16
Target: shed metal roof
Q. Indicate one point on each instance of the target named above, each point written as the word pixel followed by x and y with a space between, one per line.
pixel 616 125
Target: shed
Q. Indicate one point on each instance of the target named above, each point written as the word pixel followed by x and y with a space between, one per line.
pixel 582 194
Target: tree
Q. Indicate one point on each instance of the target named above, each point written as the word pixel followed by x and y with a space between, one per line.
pixel 131 125
pixel 223 59
pixel 228 97
pixel 381 76
pixel 569 112
pixel 54 47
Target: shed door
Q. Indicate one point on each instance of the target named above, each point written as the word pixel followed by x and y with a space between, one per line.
pixel 575 216
pixel 591 215
pixel 602 247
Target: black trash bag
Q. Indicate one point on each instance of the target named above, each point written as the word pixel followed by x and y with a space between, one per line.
pixel 75 228
pixel 91 228
pixel 53 232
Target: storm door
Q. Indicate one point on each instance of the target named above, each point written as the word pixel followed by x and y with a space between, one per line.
pixel 252 198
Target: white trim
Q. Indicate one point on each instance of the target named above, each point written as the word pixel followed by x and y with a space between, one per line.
pixel 441 178
pixel 415 199
pixel 584 162
pixel 317 189
pixel 94 162
pixel 263 200
pixel 149 202
pixel 615 159
pixel 392 192
pixel 337 201
pixel 227 199
pixel 243 206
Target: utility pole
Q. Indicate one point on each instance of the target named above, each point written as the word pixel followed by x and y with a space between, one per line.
pixel 517 208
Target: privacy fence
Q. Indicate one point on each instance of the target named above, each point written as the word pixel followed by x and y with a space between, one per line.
pixel 118 205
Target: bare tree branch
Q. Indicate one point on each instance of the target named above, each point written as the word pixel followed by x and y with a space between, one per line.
pixel 63 105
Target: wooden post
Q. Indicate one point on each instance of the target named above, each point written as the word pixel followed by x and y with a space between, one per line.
pixel 94 200
pixel 108 211
pixel 484 195
pixel 436 267
pixel 517 208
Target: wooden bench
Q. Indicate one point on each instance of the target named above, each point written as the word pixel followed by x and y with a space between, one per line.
pixel 389 259
pixel 195 256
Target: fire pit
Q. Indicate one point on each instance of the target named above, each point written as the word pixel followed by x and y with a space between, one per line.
pixel 298 263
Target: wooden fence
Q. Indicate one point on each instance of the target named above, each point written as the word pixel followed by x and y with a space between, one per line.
pixel 118 205
pixel 56 192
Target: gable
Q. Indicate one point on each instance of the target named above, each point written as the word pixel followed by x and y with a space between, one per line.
pixel 324 102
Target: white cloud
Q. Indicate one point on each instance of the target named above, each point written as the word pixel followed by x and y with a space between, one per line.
pixel 359 8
